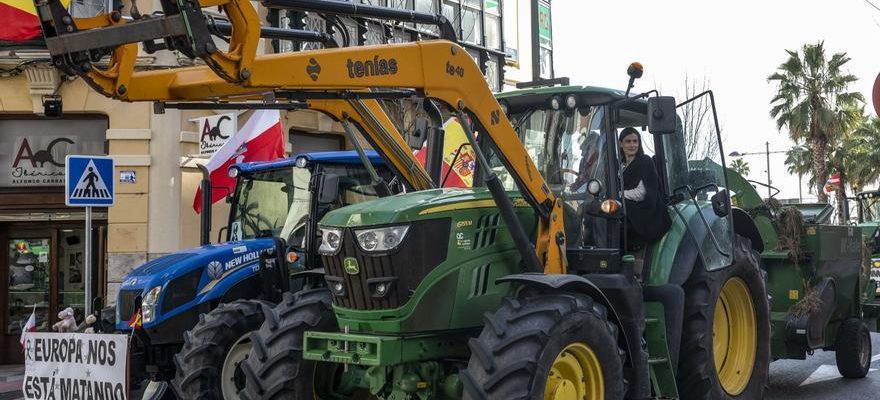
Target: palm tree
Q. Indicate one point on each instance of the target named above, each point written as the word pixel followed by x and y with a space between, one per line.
pixel 740 167
pixel 811 92
pixel 846 148
pixel 863 160
pixel 799 160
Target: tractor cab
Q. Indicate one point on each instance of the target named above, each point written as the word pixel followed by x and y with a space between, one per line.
pixel 286 198
pixel 869 222
pixel 571 133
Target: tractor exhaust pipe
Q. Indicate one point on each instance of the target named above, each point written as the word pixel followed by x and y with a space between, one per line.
pixel 352 9
pixel 205 216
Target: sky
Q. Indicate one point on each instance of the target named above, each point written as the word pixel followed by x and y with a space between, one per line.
pixel 734 45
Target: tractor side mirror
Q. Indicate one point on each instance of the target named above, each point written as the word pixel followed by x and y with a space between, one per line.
pixel 661 115
pixel 721 203
pixel 416 138
pixel 97 304
pixel 329 188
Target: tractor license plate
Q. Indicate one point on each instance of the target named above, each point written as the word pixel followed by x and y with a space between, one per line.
pixel 381 350
pixel 346 348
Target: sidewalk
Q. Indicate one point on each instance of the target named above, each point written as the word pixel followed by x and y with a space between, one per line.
pixel 10 381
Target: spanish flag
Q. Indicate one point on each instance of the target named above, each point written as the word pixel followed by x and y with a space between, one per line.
pixel 136 320
pixel 459 159
pixel 18 20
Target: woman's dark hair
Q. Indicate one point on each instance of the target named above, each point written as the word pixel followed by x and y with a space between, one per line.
pixel 626 132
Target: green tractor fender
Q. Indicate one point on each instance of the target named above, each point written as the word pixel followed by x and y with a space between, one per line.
pixel 745 226
pixel 576 284
pixel 675 264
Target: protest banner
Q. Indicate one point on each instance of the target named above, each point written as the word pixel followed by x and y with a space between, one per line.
pixel 75 366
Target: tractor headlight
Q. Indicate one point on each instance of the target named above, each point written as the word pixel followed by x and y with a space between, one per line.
pixel 148 305
pixel 381 239
pixel 331 240
pixel 233 171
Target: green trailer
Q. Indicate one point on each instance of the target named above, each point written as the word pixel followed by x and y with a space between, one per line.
pixel 817 279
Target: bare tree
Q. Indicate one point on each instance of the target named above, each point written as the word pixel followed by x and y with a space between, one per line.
pixel 698 121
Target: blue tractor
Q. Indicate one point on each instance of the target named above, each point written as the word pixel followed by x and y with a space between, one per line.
pixel 199 305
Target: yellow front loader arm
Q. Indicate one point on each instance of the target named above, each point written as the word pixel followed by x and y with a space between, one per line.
pixel 438 69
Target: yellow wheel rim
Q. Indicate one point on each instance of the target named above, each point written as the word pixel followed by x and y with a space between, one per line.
pixel 575 375
pixel 734 333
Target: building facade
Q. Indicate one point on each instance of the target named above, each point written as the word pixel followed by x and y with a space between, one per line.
pixel 156 155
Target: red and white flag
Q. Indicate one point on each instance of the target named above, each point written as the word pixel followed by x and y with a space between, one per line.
pixel 833 183
pixel 30 326
pixel 260 139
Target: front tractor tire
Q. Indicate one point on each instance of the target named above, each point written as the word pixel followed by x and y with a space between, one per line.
pixel 725 352
pixel 275 368
pixel 208 365
pixel 546 346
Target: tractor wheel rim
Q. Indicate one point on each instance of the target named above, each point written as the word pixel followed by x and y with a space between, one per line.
pixel 231 375
pixel 575 374
pixel 864 348
pixel 734 333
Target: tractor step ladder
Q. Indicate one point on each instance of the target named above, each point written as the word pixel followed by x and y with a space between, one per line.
pixel 659 361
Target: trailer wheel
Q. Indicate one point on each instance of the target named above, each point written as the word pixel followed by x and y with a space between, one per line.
pixel 853 349
pixel 275 368
pixel 548 346
pixel 725 352
pixel 208 365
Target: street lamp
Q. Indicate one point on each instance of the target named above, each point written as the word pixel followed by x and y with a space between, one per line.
pixel 767 153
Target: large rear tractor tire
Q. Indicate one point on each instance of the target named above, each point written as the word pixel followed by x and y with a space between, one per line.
pixel 725 352
pixel 546 346
pixel 853 349
pixel 208 365
pixel 275 368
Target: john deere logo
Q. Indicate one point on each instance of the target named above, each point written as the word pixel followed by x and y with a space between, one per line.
pixel 350 264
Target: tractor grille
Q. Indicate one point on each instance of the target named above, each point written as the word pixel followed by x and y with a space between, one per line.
pixel 181 290
pixel 401 271
pixel 126 303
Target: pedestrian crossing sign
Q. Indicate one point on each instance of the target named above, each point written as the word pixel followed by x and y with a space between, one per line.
pixel 89 181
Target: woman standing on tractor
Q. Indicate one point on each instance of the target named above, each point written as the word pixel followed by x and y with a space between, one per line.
pixel 641 192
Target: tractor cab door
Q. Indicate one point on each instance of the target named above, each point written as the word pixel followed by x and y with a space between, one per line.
pixel 697 180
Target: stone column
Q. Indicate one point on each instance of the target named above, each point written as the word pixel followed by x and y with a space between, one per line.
pixel 127 228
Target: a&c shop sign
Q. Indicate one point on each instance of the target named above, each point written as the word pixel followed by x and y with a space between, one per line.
pixel 36 149
pixel 214 131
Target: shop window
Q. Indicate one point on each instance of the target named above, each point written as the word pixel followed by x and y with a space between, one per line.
pixel 511 32
pixel 28 288
pixel 471 25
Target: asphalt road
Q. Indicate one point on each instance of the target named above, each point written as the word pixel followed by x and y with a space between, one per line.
pixel 817 378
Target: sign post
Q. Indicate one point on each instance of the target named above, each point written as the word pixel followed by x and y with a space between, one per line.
pixel 89 183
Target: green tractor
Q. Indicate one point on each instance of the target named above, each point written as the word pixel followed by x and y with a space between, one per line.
pixel 432 294
pixel 869 222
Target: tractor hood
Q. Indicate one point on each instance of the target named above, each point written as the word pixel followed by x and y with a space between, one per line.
pixel 193 275
pixel 414 206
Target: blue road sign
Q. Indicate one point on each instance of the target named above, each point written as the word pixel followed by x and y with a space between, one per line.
pixel 89 181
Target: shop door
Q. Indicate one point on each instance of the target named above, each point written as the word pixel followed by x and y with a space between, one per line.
pixel 44 274
pixel 30 264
